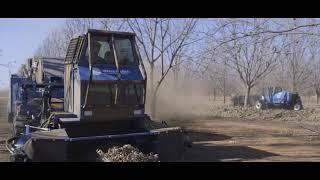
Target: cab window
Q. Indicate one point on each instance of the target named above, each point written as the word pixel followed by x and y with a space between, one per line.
pixel 101 49
pixel 124 50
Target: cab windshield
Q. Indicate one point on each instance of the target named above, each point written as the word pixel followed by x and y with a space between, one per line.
pixel 102 51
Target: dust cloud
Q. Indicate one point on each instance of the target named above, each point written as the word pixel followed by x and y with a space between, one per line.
pixel 180 98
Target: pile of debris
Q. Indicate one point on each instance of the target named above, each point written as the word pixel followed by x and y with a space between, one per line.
pixel 306 114
pixel 125 153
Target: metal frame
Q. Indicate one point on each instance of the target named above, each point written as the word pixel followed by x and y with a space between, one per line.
pixel 148 133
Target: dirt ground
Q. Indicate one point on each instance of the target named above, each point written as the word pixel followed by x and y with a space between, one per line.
pixel 227 139
pixel 4 129
pixel 231 138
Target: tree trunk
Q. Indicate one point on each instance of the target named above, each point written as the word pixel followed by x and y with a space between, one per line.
pixel 153 106
pixel 224 81
pixel 294 81
pixel 154 103
pixel 318 95
pixel 246 98
pixel 151 78
pixel 175 79
pixel 175 75
pixel 224 90
pixel 153 94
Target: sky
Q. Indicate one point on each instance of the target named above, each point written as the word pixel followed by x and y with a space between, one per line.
pixel 19 39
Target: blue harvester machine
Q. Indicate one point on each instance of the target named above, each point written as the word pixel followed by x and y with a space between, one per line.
pixel 64 109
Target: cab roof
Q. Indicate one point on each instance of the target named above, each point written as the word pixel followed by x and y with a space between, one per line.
pixel 104 32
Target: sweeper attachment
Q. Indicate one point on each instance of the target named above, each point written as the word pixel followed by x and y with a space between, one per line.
pixel 103 106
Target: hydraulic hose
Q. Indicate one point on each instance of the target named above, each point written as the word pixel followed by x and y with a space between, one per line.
pixel 9 144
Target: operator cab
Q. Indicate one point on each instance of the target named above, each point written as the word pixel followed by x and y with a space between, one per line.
pixel 108 75
pixel 270 91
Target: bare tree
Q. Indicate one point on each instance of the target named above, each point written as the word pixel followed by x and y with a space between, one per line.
pixel 277 27
pixel 161 39
pixel 252 57
pixel 53 45
pixel 315 77
pixel 113 24
pixel 77 26
pixel 298 66
pixel 222 80
pixel 218 77
pixel 297 61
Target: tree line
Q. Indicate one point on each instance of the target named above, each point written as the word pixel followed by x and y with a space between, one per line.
pixel 233 55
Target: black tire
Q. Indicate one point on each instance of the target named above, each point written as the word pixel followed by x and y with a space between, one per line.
pixel 259 105
pixel 297 106
pixel 18 158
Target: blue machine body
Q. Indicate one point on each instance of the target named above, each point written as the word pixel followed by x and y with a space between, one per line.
pixel 278 97
pixel 23 93
pixel 26 96
pixel 109 72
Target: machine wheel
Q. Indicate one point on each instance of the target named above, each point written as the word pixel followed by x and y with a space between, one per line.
pixel 297 106
pixel 10 117
pixel 17 131
pixel 18 126
pixel 18 158
pixel 259 105
pixel 12 133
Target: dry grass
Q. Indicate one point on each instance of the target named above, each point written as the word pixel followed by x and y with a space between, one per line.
pixel 288 132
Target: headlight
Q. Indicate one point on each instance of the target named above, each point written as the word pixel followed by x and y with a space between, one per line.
pixel 138 112
pixel 262 97
pixel 87 113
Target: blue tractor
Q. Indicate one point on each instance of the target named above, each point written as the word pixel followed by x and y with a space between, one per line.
pixel 276 97
pixel 102 83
